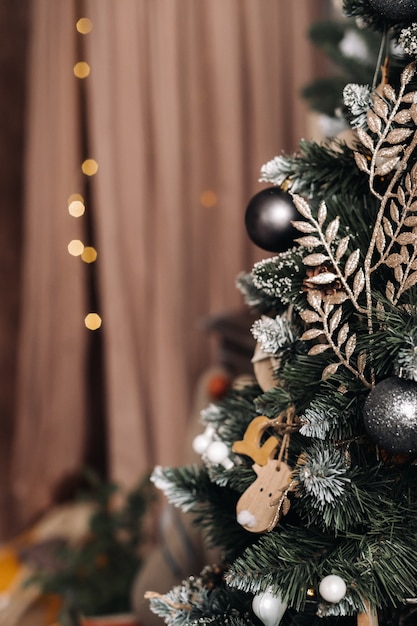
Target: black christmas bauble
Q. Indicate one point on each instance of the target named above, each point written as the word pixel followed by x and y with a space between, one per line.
pixel 268 220
pixel 390 415
pixel 398 10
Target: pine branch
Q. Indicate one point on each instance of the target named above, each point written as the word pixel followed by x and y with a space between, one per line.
pixel 317 171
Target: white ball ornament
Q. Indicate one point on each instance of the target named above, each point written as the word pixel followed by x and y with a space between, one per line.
pixel 218 452
pixel 332 588
pixel 269 608
pixel 201 443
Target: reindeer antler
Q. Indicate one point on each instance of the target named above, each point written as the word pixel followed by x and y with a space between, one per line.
pixel 251 442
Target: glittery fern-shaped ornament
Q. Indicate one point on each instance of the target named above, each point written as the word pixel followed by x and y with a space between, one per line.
pixel 385 151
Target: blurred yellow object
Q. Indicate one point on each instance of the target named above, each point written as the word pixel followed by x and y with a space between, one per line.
pixel 9 568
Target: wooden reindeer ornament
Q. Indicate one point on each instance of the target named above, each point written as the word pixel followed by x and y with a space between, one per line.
pixel 368 617
pixel 264 502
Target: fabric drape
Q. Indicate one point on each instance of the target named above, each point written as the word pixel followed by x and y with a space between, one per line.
pixel 50 416
pixel 185 101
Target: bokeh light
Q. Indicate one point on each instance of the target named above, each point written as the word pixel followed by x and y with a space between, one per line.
pixel 76 208
pixel 76 247
pixel 84 25
pixel 208 198
pixel 89 167
pixel 81 69
pixel 92 321
pixel 89 254
pixel 75 196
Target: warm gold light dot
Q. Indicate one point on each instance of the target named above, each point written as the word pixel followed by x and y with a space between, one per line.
pixel 89 254
pixel 89 167
pixel 75 196
pixel 208 198
pixel 311 592
pixel 76 208
pixel 75 247
pixel 81 69
pixel 92 321
pixel 84 25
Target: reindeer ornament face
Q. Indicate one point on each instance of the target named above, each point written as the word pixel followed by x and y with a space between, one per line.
pixel 261 506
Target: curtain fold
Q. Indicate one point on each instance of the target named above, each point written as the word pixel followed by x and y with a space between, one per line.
pixel 194 96
pixel 50 414
pixel 186 100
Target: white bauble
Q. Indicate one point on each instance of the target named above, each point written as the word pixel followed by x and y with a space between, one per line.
pixel 269 608
pixel 354 46
pixel 217 452
pixel 201 443
pixel 332 588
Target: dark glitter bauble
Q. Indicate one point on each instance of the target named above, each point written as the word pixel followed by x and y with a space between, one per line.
pixel 268 220
pixel 398 10
pixel 390 415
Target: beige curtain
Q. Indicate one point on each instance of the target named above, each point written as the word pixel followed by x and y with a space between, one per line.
pixel 49 426
pixel 186 99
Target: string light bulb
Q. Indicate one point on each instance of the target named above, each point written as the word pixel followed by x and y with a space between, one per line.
pixel 76 208
pixel 208 198
pixel 89 254
pixel 89 167
pixel 84 25
pixel 81 69
pixel 75 247
pixel 92 321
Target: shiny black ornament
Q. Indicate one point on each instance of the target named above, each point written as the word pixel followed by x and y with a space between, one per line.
pixel 398 10
pixel 390 415
pixel 268 220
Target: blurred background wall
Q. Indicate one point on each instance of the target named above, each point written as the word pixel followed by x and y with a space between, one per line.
pixel 158 139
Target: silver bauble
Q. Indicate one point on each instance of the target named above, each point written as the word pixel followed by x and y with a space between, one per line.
pixel 390 415
pixel 397 10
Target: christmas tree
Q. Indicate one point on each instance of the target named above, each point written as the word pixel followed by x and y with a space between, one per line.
pixel 308 481
pixel 353 53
